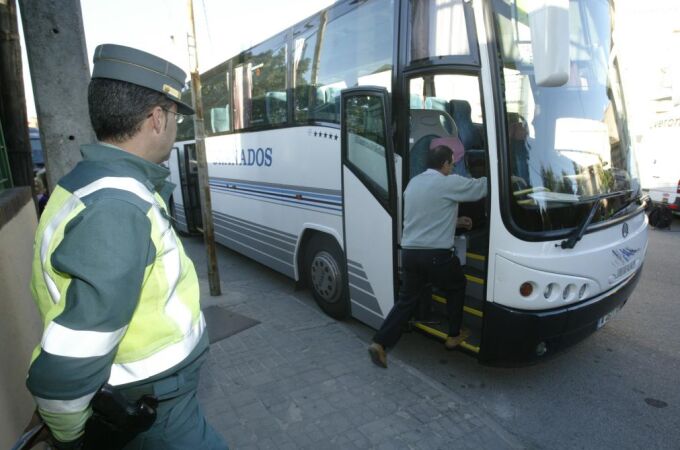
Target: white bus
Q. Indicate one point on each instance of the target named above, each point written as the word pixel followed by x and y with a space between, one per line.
pixel 661 167
pixel 314 134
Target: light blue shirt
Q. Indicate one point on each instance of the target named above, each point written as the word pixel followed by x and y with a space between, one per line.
pixel 431 208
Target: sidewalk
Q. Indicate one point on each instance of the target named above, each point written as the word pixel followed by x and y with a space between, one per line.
pixel 302 380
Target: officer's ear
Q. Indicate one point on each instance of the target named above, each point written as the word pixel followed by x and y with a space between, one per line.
pixel 157 118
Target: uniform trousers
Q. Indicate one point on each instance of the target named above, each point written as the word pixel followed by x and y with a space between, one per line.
pixel 179 425
pixel 442 269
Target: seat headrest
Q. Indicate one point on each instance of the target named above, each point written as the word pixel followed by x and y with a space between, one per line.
pixel 461 108
pixel 432 121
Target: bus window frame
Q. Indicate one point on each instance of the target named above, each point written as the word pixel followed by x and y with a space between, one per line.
pixel 448 69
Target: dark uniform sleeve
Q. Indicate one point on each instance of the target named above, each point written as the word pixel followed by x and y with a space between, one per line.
pixel 105 251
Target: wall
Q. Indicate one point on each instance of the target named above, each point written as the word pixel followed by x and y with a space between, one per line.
pixel 20 325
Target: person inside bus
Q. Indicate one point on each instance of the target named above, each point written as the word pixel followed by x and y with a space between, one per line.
pixel 119 297
pixel 428 255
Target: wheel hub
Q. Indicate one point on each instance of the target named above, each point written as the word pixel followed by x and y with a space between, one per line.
pixel 326 276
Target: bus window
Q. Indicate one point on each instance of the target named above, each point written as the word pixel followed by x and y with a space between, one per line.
pixel 185 130
pixel 215 92
pixel 260 97
pixel 344 51
pixel 447 106
pixel 366 142
pixel 439 29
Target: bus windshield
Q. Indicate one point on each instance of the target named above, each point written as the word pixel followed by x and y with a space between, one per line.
pixel 566 145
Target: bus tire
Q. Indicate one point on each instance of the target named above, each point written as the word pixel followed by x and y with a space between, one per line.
pixel 326 273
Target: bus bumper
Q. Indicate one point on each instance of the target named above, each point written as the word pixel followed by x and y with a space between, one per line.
pixel 519 337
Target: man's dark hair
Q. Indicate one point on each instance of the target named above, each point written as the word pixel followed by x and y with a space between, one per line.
pixel 436 157
pixel 117 108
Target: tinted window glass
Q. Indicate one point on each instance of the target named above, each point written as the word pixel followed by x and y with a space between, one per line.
pixel 345 51
pixel 439 28
pixel 366 141
pixel 215 92
pixel 260 96
pixel 568 144
pixel 447 106
pixel 185 130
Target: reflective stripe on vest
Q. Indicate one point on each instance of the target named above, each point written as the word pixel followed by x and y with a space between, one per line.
pixel 62 341
pixel 160 361
pixel 64 406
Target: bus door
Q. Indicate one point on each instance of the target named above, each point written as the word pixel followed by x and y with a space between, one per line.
pixel 369 202
pixel 188 172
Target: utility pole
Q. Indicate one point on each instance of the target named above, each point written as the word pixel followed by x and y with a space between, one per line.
pixel 60 74
pixel 203 185
pixel 12 98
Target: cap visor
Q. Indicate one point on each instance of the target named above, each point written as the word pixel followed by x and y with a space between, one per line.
pixel 183 108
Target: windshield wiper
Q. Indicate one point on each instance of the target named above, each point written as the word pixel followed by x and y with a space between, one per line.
pixel 578 233
pixel 633 199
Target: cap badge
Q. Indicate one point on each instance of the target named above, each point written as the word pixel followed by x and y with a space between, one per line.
pixel 170 91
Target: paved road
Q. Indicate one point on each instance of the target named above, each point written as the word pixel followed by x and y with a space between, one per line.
pixel 617 389
pixel 301 380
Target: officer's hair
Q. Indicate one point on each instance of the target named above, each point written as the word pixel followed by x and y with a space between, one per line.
pixel 436 157
pixel 118 109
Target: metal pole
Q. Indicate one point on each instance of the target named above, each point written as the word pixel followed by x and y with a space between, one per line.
pixel 204 187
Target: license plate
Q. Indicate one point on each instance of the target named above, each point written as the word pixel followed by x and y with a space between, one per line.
pixel 606 318
pixel 625 269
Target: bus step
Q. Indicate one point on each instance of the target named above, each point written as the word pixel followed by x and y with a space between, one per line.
pixel 440 329
pixel 475 261
pixel 473 306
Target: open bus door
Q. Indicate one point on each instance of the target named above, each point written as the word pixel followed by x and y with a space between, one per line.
pixel 188 173
pixel 369 202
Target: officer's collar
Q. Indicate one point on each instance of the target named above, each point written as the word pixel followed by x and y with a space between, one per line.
pixel 153 175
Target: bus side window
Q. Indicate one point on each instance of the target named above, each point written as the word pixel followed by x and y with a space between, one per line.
pixel 340 52
pixel 260 96
pixel 216 93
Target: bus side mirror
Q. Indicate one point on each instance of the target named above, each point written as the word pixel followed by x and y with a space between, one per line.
pixel 549 23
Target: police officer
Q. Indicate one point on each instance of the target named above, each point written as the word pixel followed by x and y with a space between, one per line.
pixel 118 296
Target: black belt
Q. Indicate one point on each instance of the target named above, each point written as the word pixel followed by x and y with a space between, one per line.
pixel 163 389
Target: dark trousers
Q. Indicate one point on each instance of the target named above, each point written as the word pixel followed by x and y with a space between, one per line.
pixel 420 267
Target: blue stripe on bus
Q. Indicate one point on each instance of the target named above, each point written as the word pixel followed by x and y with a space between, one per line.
pixel 331 198
pixel 278 199
pixel 231 187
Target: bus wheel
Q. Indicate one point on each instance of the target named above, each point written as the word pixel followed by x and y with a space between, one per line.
pixel 325 267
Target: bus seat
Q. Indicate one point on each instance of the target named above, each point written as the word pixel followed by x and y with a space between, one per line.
pixel 276 107
pixel 418 155
pixel 416 102
pixel 436 103
pixel 426 125
pixel 431 121
pixel 219 119
pixel 328 109
pixel 470 135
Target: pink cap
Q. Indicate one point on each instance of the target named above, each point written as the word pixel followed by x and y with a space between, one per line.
pixel 451 142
